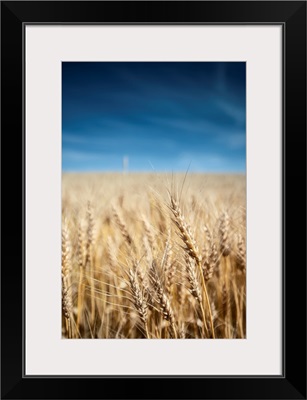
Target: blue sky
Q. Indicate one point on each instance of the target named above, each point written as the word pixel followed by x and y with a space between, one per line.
pixel 163 116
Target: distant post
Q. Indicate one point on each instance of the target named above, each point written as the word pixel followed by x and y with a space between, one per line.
pixel 125 164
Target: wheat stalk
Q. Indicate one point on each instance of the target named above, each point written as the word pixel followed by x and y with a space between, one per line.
pixel 194 287
pixel 192 249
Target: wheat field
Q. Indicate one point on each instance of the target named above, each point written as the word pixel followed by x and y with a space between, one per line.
pixel 157 256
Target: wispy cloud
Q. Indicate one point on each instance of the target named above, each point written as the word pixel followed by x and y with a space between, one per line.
pixel 233 140
pixel 235 112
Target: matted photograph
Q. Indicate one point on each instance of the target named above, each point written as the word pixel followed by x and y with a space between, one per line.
pixel 153 200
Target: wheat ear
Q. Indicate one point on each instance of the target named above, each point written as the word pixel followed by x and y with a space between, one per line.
pixel 241 254
pixel 123 227
pixel 66 282
pixel 163 300
pixel 211 259
pixel 224 235
pixel 138 300
pixel 192 249
pixel 67 306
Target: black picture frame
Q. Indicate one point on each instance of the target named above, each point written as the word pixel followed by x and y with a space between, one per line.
pixel 14 16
